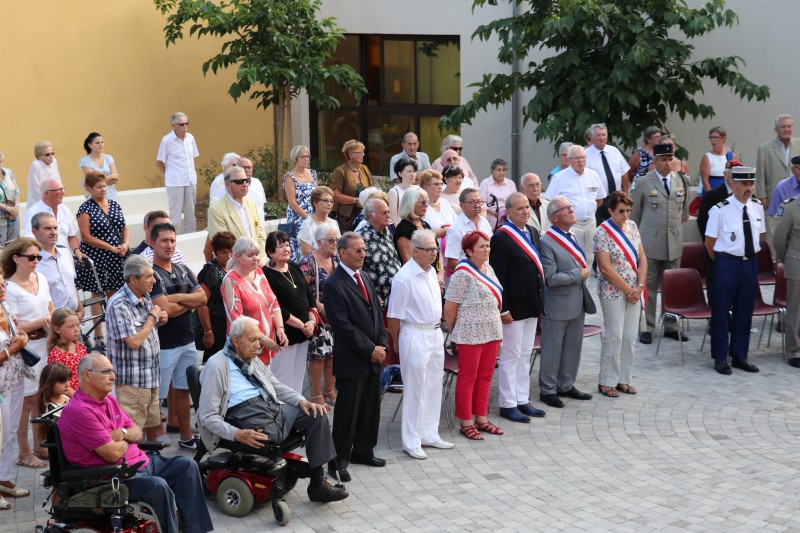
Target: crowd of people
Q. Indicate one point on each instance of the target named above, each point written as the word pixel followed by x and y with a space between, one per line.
pixel 356 277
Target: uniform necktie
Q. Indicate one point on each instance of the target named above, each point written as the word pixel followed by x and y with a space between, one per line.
pixel 666 185
pixel 612 186
pixel 361 285
pixel 749 250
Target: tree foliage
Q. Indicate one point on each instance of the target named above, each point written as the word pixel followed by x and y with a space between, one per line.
pixel 276 45
pixel 626 63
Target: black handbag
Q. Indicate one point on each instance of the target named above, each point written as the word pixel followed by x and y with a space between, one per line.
pixel 28 357
pixel 255 413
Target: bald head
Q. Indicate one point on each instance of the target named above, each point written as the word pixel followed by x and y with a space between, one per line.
pixel 52 192
pixel 450 157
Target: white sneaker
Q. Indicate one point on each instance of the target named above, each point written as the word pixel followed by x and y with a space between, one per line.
pixel 416 453
pixel 441 444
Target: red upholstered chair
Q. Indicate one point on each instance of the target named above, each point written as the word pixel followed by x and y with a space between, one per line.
pixel 683 299
pixel 766 268
pixel 764 309
pixel 694 256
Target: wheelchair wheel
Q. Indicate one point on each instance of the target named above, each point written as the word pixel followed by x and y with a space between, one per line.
pixel 282 512
pixel 234 497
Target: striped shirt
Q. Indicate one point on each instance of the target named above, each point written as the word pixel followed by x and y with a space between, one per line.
pixel 125 316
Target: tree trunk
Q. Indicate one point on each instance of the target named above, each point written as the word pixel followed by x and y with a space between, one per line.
pixel 287 123
pixel 278 112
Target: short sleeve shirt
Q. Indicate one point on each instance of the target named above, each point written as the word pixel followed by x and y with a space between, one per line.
pixel 726 225
pixel 178 330
pixel 582 191
pixel 478 320
pixel 125 316
pixel 381 262
pixel 604 243
pixel 178 158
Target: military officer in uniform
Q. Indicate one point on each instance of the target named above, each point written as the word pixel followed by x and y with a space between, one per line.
pixel 660 207
pixel 734 228
pixel 786 240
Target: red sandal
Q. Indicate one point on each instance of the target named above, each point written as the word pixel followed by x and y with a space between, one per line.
pixel 489 428
pixel 471 432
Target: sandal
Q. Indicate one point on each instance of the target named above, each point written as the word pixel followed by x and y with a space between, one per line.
pixel 30 461
pixel 330 396
pixel 627 389
pixel 607 391
pixel 471 432
pixel 489 428
pixel 4 505
pixel 42 454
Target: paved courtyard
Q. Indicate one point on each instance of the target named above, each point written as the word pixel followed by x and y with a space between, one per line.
pixel 693 451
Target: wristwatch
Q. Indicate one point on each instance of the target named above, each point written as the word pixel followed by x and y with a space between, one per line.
pixel 124 433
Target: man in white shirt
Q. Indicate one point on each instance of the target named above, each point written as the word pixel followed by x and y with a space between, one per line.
pixel 57 264
pixel 585 191
pixel 217 189
pixel 415 316
pixel 456 144
pixel 410 144
pixel 470 219
pixel 52 194
pixel 609 163
pixel 237 213
pixel 175 159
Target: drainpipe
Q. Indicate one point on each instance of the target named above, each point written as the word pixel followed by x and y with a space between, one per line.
pixel 516 119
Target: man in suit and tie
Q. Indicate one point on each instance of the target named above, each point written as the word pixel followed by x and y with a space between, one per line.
pixel 660 207
pixel 566 300
pixel 787 250
pixel 773 161
pixel 531 187
pixel 410 144
pixel 237 213
pixel 516 262
pixel 610 165
pixel 355 314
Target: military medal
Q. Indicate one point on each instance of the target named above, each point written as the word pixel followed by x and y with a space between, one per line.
pixel 733 237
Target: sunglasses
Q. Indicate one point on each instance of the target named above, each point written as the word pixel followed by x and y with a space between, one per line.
pixel 49 154
pixel 182 124
pixel 240 182
pixel 31 257
pixel 457 149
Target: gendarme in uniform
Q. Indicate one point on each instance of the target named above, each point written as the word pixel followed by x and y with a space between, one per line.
pixel 732 240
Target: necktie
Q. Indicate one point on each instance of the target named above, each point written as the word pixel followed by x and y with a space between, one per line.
pixel 749 251
pixel 361 285
pixel 666 185
pixel 612 186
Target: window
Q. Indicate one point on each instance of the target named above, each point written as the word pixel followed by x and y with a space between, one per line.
pixel 412 81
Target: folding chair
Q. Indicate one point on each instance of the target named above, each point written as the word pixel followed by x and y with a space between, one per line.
pixel 766 268
pixel 694 256
pixel 683 299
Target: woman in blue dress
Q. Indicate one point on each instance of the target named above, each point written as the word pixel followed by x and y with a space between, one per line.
pixel 297 185
pixel 96 159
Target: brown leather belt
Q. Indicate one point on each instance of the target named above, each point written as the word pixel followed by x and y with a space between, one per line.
pixel 37 334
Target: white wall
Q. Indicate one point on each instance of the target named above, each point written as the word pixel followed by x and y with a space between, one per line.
pixel 765 38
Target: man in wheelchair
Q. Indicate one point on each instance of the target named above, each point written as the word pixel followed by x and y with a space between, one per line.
pixel 95 431
pixel 241 401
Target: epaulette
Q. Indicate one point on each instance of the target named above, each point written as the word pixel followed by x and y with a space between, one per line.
pixel 722 203
pixel 789 200
pixel 755 200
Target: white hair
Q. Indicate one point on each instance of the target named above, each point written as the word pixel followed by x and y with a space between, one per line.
pixel 238 325
pixel 229 160
pixel 448 141
pixel 323 230
pixel 177 116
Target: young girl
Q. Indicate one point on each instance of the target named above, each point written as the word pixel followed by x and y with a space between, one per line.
pixel 62 343
pixel 54 387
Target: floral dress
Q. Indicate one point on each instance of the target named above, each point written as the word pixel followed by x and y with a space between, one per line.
pixel 303 196
pixel 645 160
pixel 70 360
pixel 109 228
pixel 256 300
pixel 604 243
pixel 321 346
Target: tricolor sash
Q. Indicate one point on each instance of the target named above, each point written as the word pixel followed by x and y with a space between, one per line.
pixel 523 241
pixel 565 242
pixel 628 249
pixel 495 288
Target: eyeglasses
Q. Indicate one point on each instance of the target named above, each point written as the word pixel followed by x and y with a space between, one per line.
pixel 533 186
pixel 360 152
pixel 358 251
pixel 104 371
pixel 246 168
pixel 429 250
pixel 307 156
pixel 325 201
pixel 569 208
pixel 424 203
pixel 31 257
pixel 623 211
pixel 49 154
pixel 474 202
pixel 332 240
pixel 181 124
pixel 712 137
pixel 457 149
pixel 241 182
pixel 435 184
pixel 55 190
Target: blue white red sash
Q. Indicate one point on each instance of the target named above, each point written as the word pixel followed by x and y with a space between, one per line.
pixel 566 242
pixel 521 238
pixel 628 249
pixel 495 288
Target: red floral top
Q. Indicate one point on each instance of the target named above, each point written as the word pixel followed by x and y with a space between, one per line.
pixel 71 360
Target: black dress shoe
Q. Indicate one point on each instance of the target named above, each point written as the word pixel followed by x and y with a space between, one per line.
pixel 794 361
pixel 513 414
pixel 646 337
pixel 326 492
pixel 529 410
pixel 575 394
pixel 368 461
pixel 743 365
pixel 344 475
pixel 674 336
pixel 722 368
pixel 552 400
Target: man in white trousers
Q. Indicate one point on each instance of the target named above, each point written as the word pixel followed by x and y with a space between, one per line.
pixel 175 159
pixel 516 262
pixel 415 316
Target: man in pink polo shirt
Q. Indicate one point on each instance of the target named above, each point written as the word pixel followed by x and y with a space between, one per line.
pixel 96 431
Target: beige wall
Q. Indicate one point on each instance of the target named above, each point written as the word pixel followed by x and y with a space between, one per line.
pixel 70 68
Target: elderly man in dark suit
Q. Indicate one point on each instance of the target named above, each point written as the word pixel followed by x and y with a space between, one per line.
pixel 516 262
pixel 567 300
pixel 355 314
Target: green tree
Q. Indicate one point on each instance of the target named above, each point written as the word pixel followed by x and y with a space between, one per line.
pixel 626 63
pixel 279 48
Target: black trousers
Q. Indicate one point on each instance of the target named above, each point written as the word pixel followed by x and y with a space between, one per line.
pixel 356 417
